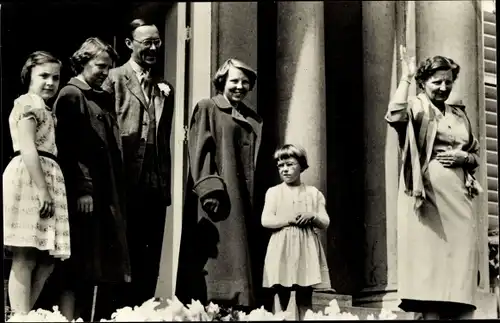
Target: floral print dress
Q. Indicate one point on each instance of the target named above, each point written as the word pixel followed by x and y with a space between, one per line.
pixel 22 224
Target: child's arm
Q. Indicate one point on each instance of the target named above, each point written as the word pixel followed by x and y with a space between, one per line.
pixel 29 154
pixel 321 219
pixel 27 128
pixel 269 219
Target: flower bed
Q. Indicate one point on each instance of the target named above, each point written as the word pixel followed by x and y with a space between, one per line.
pixel 176 311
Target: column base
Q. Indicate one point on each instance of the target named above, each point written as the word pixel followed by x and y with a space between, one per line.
pixel 378 297
pixel 322 298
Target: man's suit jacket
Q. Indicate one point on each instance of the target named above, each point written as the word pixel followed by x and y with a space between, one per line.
pixel 133 118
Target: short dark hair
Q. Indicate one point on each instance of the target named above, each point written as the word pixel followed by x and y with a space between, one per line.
pixel 90 48
pixel 36 58
pixel 292 151
pixel 136 23
pixel 220 76
pixel 431 65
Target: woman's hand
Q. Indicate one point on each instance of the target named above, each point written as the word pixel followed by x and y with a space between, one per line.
pixel 408 66
pixel 47 207
pixel 452 158
pixel 85 204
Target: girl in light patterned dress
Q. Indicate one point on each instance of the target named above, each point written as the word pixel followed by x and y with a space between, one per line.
pixel 35 213
pixel 295 259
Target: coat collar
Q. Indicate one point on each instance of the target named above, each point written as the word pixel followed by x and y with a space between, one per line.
pixel 223 104
pixel 80 84
pixel 98 115
pixel 243 114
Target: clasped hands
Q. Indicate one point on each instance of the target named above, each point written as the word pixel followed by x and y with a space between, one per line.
pixel 303 219
pixel 452 158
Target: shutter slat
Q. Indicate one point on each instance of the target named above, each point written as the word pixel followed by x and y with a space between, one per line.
pixel 493 196
pixel 491 144
pixel 492 184
pixel 493 208
pixel 491 131
pixel 492 170
pixel 491 118
pixel 490 92
pixel 490 28
pixel 491 105
pixel 493 224
pixel 490 97
pixel 490 67
pixel 490 17
pixel 491 157
pixel 490 41
pixel 490 79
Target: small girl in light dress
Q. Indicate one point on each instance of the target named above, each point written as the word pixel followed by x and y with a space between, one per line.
pixel 295 259
pixel 35 213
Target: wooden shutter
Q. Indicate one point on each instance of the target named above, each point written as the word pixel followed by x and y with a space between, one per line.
pixel 490 86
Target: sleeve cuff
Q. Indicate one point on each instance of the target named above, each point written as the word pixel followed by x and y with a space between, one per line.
pixel 208 184
pixel 85 188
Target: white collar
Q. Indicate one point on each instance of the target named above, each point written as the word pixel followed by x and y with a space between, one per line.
pixel 137 68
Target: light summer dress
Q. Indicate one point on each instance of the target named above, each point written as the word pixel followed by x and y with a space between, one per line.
pixel 295 255
pixel 22 224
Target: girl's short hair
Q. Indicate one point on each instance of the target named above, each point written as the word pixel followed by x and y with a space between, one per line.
pixel 292 151
pixel 36 58
pixel 220 76
pixel 90 48
pixel 431 65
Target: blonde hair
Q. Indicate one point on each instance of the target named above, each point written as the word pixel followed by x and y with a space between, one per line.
pixel 220 76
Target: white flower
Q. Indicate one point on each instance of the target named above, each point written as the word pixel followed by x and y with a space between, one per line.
pixel 213 308
pixel 333 308
pixel 386 314
pixel 164 89
pixel 174 310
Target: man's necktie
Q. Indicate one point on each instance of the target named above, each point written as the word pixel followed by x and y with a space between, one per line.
pixel 146 84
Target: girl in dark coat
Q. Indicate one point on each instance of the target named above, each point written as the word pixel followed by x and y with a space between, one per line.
pixel 89 146
pixel 224 138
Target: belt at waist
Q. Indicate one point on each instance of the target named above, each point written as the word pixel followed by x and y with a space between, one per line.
pixel 40 153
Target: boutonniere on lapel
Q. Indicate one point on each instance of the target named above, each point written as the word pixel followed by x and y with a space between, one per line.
pixel 164 88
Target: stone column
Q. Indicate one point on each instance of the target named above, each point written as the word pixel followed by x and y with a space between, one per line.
pixel 300 87
pixel 451 29
pixel 234 35
pixel 426 28
pixel 300 75
pixel 380 45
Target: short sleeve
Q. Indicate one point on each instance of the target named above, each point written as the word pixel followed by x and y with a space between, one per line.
pixel 30 108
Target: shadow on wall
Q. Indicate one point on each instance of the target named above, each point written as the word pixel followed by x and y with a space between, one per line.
pixel 345 122
pixel 345 152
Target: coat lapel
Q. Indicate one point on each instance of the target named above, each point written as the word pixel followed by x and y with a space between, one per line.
pixel 429 124
pixel 97 116
pixel 253 119
pixel 158 100
pixel 134 86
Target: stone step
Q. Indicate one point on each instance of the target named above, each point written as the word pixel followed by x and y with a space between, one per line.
pixel 322 298
pixel 363 312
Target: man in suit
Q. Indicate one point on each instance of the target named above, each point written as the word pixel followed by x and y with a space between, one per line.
pixel 144 107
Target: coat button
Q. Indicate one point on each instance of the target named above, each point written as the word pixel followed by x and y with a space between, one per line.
pixel 99 117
